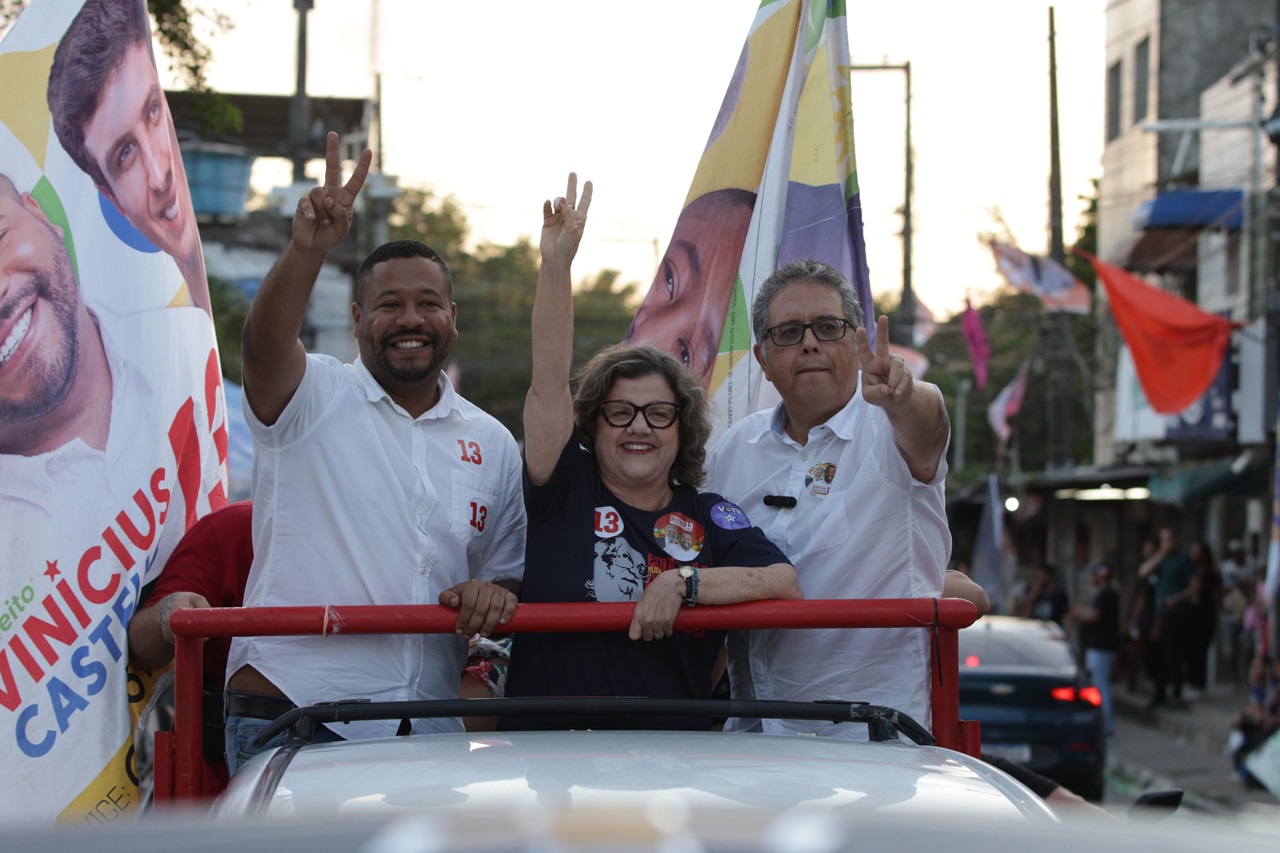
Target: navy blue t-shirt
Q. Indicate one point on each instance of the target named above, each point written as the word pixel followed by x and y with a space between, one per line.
pixel 584 544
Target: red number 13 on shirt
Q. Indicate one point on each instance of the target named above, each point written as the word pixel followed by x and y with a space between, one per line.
pixel 607 522
pixel 479 512
pixel 470 451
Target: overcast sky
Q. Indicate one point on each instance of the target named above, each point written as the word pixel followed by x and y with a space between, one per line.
pixel 495 102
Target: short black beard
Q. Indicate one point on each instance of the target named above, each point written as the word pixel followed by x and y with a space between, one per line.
pixel 53 381
pixel 409 374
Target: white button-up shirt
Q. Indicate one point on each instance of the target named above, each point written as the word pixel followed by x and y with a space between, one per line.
pixel 357 502
pixel 866 529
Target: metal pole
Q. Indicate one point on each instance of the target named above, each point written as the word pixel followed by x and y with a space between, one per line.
pixel 299 108
pixel 907 308
pixel 963 386
pixel 1252 235
pixel 1055 331
pixel 945 616
pixel 1056 248
pixel 188 692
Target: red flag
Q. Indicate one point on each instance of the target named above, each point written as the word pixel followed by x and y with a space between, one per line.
pixel 1177 348
pixel 976 339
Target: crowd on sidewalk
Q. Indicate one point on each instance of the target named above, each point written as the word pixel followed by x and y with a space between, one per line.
pixel 1185 625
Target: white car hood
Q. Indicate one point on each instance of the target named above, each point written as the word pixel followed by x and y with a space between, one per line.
pixel 620 771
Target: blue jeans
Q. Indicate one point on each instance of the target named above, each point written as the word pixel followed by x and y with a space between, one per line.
pixel 1099 664
pixel 241 732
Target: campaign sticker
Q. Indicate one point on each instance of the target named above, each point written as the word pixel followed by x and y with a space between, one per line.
pixel 729 516
pixel 679 535
pixel 608 522
pixel 819 478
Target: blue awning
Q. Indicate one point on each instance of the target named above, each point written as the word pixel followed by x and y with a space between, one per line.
pixel 1193 209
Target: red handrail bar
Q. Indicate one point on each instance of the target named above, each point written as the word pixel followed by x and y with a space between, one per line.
pixel 192 626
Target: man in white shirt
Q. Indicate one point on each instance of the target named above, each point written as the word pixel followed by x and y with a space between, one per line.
pixel 845 475
pixel 374 483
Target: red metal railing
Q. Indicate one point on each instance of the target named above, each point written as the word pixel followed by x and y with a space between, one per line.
pixel 178 753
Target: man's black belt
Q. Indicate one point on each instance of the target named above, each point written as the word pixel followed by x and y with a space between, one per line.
pixel 257 705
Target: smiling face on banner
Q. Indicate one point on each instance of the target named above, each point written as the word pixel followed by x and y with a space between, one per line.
pixel 39 308
pixel 111 117
pixel 131 140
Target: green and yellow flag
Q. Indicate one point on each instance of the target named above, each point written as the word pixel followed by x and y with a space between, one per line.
pixel 776 182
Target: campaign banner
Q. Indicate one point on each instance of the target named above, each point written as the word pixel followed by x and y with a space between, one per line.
pixel 113 434
pixel 776 182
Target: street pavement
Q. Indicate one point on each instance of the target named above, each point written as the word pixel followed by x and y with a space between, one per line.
pixel 1159 749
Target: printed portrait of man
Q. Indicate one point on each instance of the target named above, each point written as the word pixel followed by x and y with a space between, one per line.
pixel 110 115
pixel 619 572
pixel 105 451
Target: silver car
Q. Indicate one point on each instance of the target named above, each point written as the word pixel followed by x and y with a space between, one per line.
pixel 620 772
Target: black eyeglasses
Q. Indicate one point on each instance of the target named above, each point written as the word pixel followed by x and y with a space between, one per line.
pixel 790 334
pixel 620 413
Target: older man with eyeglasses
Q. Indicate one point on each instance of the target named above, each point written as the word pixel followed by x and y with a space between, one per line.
pixel 845 475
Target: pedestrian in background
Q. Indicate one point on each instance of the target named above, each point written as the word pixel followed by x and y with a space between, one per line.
pixel 1235 570
pixel 1142 619
pixel 1047 600
pixel 1204 619
pixel 1100 636
pixel 1175 594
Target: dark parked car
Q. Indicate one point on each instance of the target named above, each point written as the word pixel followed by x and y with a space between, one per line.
pixel 1020 680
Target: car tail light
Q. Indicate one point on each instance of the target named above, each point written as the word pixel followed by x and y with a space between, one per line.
pixel 971 661
pixel 1070 694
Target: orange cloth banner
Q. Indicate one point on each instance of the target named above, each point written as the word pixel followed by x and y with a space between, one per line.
pixel 1177 348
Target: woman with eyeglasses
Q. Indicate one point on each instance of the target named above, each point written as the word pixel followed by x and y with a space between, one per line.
pixel 611 476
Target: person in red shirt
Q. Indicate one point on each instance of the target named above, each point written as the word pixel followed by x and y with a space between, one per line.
pixel 209 568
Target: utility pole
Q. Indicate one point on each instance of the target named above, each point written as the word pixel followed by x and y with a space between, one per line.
pixel 1053 329
pixel 906 317
pixel 300 107
pixel 1056 249
pixel 961 386
pixel 380 192
pixel 907 308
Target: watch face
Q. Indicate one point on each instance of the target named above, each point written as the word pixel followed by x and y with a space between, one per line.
pixel 686 572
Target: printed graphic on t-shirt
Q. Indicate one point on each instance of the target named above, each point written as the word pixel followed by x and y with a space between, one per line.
pixel 819 478
pixel 679 535
pixel 620 572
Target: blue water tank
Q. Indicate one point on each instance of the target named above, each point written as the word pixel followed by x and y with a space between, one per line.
pixel 218 176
